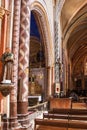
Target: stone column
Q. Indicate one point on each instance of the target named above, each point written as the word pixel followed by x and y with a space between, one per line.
pixel 24 61
pixel 53 80
pixel 49 79
pixel 15 42
pixel 58 41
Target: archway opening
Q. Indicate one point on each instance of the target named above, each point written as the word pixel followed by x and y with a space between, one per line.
pixel 73 26
pixel 76 49
pixel 37 62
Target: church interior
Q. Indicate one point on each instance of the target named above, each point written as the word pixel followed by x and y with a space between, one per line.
pixel 43 65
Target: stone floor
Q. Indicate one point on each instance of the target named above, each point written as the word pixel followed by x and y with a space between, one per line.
pixel 37 114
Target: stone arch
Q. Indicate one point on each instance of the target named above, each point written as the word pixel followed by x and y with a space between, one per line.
pixel 43 18
pixel 71 26
pixel 74 21
pixel 72 18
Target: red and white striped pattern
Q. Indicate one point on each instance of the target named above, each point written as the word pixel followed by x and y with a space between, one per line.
pixel 24 47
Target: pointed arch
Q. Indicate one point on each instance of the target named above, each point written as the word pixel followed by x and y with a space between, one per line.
pixel 44 26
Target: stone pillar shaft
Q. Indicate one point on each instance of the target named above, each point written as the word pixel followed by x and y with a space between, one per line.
pixel 24 63
pixel 24 47
pixel 53 80
pixel 59 6
pixel 49 78
pixel 15 47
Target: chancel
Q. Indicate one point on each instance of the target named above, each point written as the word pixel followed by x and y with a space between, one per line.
pixel 43 64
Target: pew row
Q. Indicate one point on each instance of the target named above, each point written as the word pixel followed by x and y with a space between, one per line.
pixel 60 103
pixel 65 103
pixel 68 111
pixel 70 114
pixel 46 124
pixel 68 117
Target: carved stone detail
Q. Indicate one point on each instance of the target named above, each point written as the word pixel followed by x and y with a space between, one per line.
pixel 57 38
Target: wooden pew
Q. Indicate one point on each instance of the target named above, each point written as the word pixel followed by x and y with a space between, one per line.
pixel 42 127
pixel 79 105
pixel 68 111
pixel 68 117
pixel 46 124
pixel 70 114
pixel 59 111
pixel 60 103
pixel 40 123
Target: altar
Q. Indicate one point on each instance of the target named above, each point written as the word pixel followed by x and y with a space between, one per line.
pixel 36 96
pixel 35 92
pixel 34 100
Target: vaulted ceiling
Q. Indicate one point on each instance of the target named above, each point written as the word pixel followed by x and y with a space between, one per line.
pixel 74 15
pixel 69 10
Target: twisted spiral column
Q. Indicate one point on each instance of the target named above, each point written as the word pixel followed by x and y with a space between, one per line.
pixel 24 55
pixel 58 39
pixel 15 47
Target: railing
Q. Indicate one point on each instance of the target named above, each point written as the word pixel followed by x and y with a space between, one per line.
pixel 39 106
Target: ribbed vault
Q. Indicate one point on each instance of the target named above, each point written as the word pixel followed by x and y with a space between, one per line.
pixel 74 30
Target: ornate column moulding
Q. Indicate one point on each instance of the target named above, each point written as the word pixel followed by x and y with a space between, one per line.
pixel 5 89
pixel 3 11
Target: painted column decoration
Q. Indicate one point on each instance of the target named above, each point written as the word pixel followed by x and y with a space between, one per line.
pixel 56 54
pixel 24 54
pixel 57 41
pixel 15 48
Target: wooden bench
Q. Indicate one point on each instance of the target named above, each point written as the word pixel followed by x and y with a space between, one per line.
pixel 70 114
pixel 46 124
pixel 68 117
pixel 79 105
pixel 39 123
pixel 60 103
pixel 42 127
pixel 74 117
pixel 68 111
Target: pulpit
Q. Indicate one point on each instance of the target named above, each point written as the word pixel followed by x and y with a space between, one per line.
pixel 5 89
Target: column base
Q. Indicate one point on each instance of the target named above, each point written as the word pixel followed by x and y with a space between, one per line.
pixel 13 123
pixel 5 124
pixel 24 120
pixel 10 124
pixel 23 115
